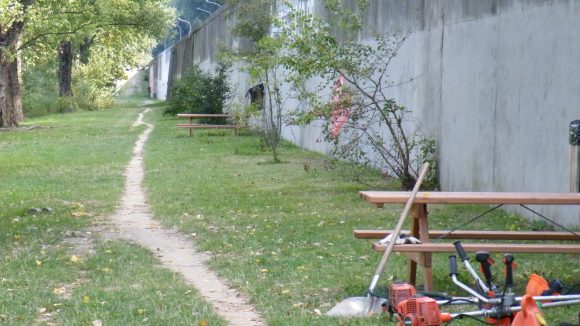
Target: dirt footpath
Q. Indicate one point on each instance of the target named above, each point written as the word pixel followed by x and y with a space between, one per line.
pixel 134 221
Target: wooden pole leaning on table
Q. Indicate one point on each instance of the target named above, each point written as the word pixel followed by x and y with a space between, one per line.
pixel 398 227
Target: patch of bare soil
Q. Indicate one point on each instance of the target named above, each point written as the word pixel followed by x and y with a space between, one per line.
pixel 134 221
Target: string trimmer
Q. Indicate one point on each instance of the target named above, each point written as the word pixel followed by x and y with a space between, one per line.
pixel 499 307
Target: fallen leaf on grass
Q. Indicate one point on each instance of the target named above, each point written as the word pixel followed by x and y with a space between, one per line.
pixel 75 258
pixel 203 322
pixel 38 262
pixel 78 210
pixel 86 299
pixel 60 290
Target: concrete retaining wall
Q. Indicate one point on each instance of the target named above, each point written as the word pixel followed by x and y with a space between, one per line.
pixel 495 82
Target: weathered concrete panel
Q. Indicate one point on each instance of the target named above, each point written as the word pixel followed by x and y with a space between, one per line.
pixel 510 88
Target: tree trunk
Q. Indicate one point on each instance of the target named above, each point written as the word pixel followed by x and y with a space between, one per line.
pixel 84 50
pixel 10 101
pixel 65 59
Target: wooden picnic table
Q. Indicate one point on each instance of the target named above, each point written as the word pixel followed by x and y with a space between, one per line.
pixel 420 254
pixel 193 116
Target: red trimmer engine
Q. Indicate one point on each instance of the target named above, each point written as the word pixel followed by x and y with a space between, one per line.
pixel 398 292
pixel 421 311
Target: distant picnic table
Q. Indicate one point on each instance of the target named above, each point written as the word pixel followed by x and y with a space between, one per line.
pixel 420 254
pixel 194 116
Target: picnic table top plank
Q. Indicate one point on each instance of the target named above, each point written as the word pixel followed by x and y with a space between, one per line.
pixel 442 197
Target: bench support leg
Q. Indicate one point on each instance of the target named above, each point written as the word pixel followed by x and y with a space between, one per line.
pixel 190 127
pixel 412 263
pixel 420 230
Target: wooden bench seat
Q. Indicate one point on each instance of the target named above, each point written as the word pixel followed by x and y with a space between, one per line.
pixel 478 235
pixel 490 247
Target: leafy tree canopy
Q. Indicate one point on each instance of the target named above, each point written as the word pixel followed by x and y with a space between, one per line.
pixel 32 30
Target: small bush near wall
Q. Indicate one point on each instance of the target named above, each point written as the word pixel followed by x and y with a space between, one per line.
pixel 200 92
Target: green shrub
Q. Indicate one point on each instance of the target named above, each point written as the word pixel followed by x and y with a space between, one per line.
pixel 89 96
pixel 200 92
pixel 94 83
pixel 39 90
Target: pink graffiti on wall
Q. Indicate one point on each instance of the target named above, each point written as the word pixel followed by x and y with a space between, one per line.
pixel 341 107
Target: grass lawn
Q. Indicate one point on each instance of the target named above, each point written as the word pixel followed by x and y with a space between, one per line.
pixel 74 164
pixel 277 232
pixel 284 235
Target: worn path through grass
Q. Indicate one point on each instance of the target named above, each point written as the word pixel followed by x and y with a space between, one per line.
pixel 176 252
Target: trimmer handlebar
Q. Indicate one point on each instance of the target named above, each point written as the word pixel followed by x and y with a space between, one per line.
pixel 452 265
pixel 465 260
pixel 508 260
pixel 485 262
pixel 460 251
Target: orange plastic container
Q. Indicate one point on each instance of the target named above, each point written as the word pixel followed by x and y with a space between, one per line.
pixel 536 285
pixel 530 314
